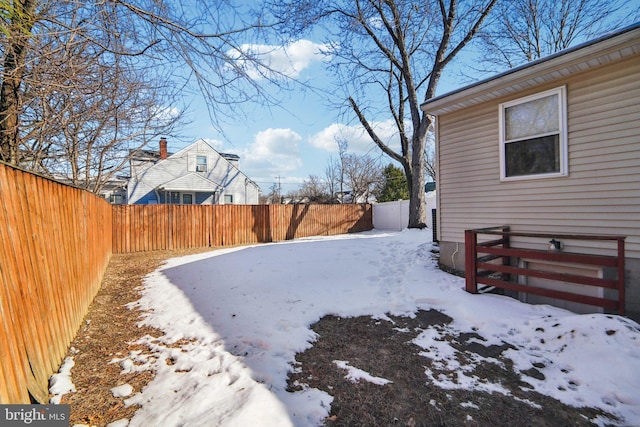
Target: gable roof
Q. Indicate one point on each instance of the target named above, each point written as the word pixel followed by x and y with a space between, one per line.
pixel 193 181
pixel 189 147
pixel 609 48
pixel 231 159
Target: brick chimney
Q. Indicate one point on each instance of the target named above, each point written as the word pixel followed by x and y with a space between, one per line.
pixel 163 148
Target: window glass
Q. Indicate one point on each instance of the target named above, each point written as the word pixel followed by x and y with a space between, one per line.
pixel 533 135
pixel 201 163
pixel 187 199
pixel 537 117
pixel 533 156
pixel 174 198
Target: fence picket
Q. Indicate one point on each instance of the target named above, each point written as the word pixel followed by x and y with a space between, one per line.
pixel 138 228
pixel 53 253
pixel 56 242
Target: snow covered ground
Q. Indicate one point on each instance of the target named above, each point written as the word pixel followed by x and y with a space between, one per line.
pixel 235 318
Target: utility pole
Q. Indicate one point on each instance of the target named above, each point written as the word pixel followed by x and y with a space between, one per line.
pixel 279 188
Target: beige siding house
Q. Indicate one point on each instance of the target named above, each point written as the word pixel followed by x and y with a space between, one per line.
pixel 550 147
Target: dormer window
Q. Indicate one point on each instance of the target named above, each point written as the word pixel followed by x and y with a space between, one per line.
pixel 201 163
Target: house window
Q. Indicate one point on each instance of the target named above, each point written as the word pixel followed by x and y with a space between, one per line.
pixel 228 199
pixel 116 199
pixel 201 163
pixel 533 140
pixel 187 198
pixel 174 197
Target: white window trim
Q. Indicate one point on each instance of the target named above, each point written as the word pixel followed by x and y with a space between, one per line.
pixel 199 168
pixel 563 143
pixel 183 193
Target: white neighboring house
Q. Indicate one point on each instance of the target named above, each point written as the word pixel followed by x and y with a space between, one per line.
pixel 115 190
pixel 197 174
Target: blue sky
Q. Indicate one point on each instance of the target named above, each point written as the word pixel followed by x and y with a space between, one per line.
pixel 295 139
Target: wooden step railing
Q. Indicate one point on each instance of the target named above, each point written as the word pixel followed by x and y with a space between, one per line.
pixel 495 265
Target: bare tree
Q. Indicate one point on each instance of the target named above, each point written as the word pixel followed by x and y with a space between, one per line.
pixel 333 178
pixel 274 197
pixel 526 30
pixel 85 111
pixel 430 158
pixel 388 56
pixel 315 190
pixel 17 24
pixel 139 56
pixel 361 175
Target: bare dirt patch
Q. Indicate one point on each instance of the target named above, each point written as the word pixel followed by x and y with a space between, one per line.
pixel 384 349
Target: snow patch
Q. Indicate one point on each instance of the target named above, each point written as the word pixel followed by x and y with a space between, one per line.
pixel 122 390
pixel 241 315
pixel 61 383
pixel 354 374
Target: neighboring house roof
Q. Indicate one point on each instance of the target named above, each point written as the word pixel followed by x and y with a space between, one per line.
pixel 184 171
pixel 232 159
pixel 193 181
pixel 611 47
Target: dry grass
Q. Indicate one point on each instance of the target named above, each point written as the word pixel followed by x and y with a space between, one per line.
pixel 108 331
pixel 384 349
pixel 381 348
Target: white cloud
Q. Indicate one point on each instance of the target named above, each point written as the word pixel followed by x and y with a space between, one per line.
pixel 357 138
pixel 274 152
pixel 166 113
pixel 289 60
pixel 215 143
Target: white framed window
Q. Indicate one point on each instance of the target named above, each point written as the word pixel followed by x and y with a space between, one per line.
pixel 533 136
pixel 187 198
pixel 201 163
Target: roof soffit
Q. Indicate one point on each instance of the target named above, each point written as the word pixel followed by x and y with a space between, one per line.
pixel 540 72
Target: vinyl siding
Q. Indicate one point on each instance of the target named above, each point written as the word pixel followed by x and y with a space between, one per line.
pixel 600 195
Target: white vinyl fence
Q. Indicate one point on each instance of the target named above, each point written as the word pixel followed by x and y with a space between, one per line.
pixel 395 215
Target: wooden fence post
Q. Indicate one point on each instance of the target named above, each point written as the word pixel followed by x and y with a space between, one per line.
pixel 621 276
pixel 470 241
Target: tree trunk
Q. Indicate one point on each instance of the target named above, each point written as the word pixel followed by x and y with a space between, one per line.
pixel 417 209
pixel 12 75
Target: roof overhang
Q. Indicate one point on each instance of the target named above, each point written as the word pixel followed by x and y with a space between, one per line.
pixel 613 47
pixel 193 182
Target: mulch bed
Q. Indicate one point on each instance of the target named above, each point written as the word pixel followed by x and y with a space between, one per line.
pixel 379 347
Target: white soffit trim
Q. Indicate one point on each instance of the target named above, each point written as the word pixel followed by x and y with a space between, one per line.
pixel 560 65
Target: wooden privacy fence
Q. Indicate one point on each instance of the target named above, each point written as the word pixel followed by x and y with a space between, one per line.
pixel 55 244
pixel 485 270
pixel 139 228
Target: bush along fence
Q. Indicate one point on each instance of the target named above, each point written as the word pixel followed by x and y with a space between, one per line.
pixel 56 242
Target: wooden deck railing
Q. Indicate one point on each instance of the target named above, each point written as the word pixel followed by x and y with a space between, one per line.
pixel 494 267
